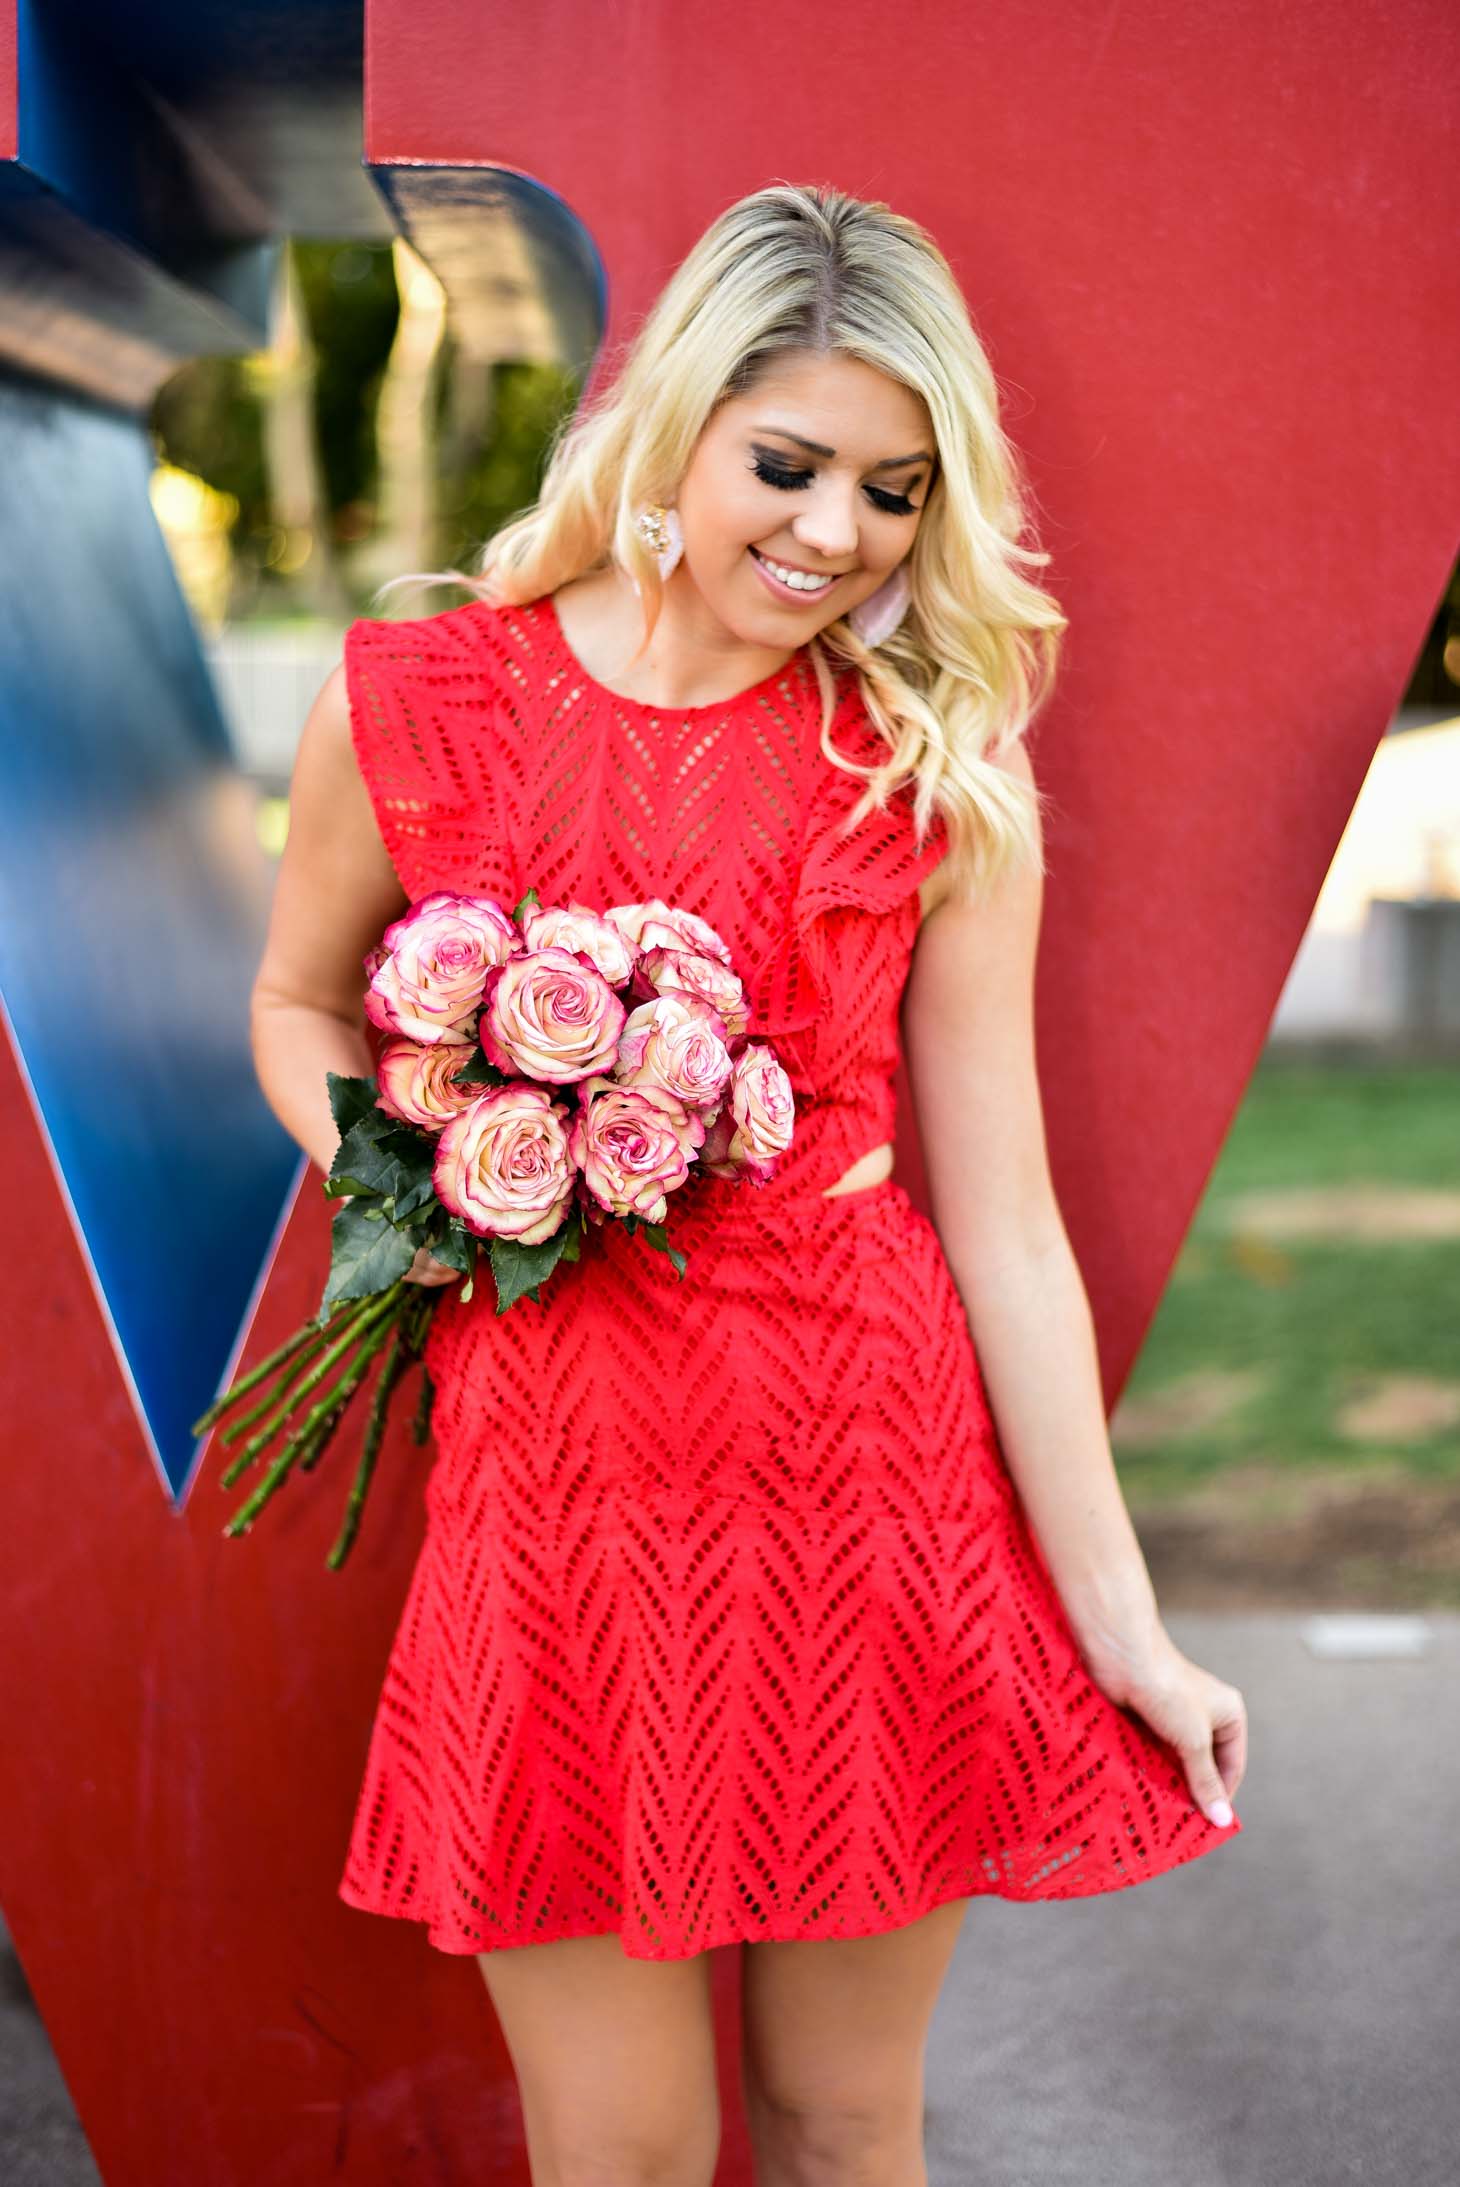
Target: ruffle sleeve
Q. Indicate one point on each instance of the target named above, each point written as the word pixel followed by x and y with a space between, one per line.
pixel 422 715
pixel 876 868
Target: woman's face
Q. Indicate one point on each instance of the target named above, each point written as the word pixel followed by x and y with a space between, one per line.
pixel 823 468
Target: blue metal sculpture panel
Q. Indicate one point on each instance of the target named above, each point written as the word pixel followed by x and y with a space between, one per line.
pixel 133 899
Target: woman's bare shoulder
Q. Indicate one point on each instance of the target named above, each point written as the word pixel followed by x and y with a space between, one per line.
pixel 331 780
pixel 325 754
pixel 1015 760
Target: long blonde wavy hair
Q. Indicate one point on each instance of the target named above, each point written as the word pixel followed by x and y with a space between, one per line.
pixel 974 658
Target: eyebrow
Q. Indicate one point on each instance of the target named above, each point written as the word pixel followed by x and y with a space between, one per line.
pixel 816 448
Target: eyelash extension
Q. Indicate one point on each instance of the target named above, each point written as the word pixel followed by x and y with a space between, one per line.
pixel 788 481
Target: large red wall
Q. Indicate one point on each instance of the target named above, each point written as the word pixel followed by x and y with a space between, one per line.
pixel 1211 253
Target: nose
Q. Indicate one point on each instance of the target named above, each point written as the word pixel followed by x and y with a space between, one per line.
pixel 826 523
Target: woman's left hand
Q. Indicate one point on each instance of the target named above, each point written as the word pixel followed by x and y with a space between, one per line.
pixel 1203 1717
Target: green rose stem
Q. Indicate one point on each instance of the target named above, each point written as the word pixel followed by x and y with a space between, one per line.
pixel 310 1441
pixel 406 1330
pixel 288 1406
pixel 313 1444
pixel 309 1448
pixel 292 1373
pixel 397 1359
pixel 310 1333
pixel 363 1330
pixel 345 1324
pixel 368 1332
pixel 421 1425
pixel 325 1413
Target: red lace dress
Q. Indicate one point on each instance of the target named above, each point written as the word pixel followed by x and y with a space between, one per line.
pixel 727 1624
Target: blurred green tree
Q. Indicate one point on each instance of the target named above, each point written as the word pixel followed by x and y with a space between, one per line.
pixel 309 511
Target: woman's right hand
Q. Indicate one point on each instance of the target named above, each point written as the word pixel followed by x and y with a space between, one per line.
pixel 425 1268
pixel 1199 1714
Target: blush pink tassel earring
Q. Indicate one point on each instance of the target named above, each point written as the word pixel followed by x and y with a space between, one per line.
pixel 659 528
pixel 877 617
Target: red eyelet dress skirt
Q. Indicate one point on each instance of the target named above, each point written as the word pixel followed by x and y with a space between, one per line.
pixel 727 1624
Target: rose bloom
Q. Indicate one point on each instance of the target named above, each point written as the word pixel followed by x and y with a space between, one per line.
pixel 428 985
pixel 754 1126
pixel 576 926
pixel 504 1165
pixel 677 1042
pixel 657 925
pixel 416 1083
pixel 550 1014
pixel 714 1154
pixel 659 971
pixel 633 1145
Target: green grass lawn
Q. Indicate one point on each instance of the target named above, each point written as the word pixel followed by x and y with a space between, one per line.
pixel 1306 1327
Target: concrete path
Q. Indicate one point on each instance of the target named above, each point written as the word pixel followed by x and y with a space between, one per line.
pixel 1284 2012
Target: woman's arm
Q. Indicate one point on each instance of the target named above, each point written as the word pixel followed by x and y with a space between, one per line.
pixel 334 893
pixel 968 1036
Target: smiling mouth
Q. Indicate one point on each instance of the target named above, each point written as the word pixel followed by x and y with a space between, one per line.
pixel 796 583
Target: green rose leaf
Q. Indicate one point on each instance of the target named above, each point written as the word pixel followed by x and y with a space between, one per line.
pixel 385 1159
pixel 479 1070
pixel 366 1255
pixel 458 1249
pixel 350 1099
pixel 419 1193
pixel 518 1268
pixel 658 1237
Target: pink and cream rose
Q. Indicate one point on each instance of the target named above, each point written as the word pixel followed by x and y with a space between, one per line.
pixel 657 925
pixel 753 1128
pixel 427 984
pixel 574 926
pixel 633 1146
pixel 550 1014
pixel 417 1083
pixel 676 1041
pixel 504 1165
pixel 662 971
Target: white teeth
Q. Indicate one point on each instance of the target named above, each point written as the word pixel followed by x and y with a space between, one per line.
pixel 797 579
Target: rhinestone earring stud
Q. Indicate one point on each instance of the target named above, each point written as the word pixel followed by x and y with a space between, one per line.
pixel 659 528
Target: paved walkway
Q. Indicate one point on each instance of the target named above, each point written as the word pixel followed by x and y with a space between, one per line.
pixel 1282 2013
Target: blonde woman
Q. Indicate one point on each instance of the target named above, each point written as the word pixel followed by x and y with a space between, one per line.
pixel 791 1603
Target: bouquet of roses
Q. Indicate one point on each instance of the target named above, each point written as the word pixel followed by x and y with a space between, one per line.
pixel 542 1072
